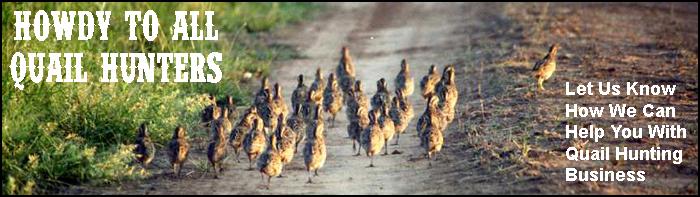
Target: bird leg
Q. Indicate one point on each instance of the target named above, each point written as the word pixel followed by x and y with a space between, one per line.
pixel 386 149
pixel 268 182
pixel 397 138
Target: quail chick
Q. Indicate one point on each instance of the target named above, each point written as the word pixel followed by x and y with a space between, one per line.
pixel 387 126
pixel 381 98
pixel 239 132
pixel 270 161
pixel 318 86
pixel 401 113
pixel 216 152
pixel 178 149
pixel 145 149
pixel 404 81
pixel 357 110
pixel 346 70
pixel 432 135
pixel 267 112
pixel 373 136
pixel 332 98
pixel 315 148
pixel 545 67
pixel 211 112
pixel 297 123
pixel 429 81
pixel 255 143
pixel 224 120
pixel 447 93
pixel 261 94
pixel 432 114
pixel 299 93
pixel 230 106
pixel 310 106
pixel 278 103
pixel 286 141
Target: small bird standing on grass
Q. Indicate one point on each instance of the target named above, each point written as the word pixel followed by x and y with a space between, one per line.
pixel 178 149
pixel 545 67
pixel 145 149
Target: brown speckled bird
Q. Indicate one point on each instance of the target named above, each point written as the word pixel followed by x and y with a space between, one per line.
pixel 388 127
pixel 178 148
pixel 230 106
pixel 299 93
pixel 255 143
pixel 332 98
pixel 310 106
pixel 278 103
pixel 381 98
pixel 358 108
pixel 346 70
pixel 216 151
pixel 261 94
pixel 267 112
pixel 286 141
pixel 401 113
pixel 210 112
pixel 432 114
pixel 270 161
pixel 404 80
pixel 315 149
pixel 145 149
pixel 297 123
pixel 318 86
pixel 373 136
pixel 545 67
pixel 427 84
pixel 242 128
pixel 224 120
pixel 431 129
pixel 448 94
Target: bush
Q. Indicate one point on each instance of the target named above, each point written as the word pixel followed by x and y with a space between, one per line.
pixel 55 134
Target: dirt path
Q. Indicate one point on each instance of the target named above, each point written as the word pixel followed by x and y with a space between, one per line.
pixel 379 35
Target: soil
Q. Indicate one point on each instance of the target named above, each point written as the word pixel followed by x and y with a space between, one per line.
pixel 506 139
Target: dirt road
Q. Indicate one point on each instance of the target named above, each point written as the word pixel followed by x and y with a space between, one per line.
pixel 501 141
pixel 379 35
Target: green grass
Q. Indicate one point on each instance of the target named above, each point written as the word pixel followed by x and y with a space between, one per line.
pixel 56 134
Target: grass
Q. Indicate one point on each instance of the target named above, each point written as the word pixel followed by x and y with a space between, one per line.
pixel 57 134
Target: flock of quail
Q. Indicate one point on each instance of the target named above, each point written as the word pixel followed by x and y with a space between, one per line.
pixel 270 135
